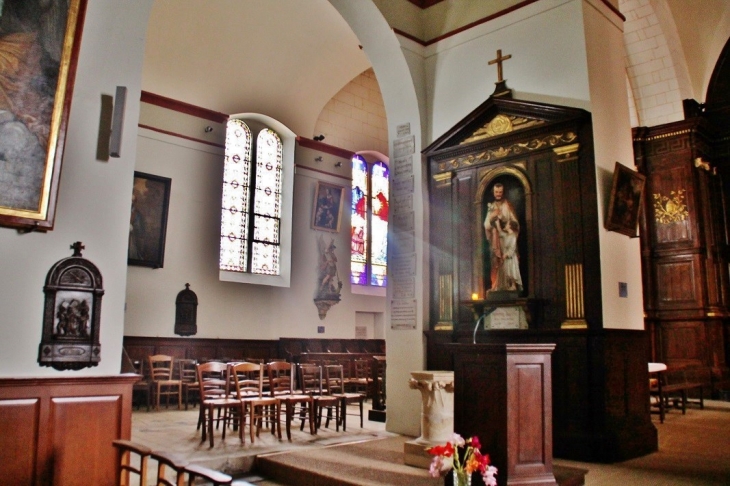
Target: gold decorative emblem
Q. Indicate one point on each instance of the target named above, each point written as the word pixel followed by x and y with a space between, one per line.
pixel 501 124
pixel 670 209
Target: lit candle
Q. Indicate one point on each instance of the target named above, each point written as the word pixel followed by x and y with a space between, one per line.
pixel 474 296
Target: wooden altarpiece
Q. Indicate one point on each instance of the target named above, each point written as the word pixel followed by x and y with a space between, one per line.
pixel 543 156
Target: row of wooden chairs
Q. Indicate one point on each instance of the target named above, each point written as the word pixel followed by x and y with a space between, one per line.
pixel 162 378
pixel 133 459
pixel 241 394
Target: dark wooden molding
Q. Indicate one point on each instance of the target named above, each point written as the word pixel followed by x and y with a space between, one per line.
pixel 428 3
pixel 323 147
pixel 182 107
pixel 179 135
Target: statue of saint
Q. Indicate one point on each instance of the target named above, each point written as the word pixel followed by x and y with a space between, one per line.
pixel 502 228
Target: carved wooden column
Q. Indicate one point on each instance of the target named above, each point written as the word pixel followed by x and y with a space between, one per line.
pixel 437 414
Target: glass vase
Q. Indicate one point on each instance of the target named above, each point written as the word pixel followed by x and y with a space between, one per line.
pixel 461 478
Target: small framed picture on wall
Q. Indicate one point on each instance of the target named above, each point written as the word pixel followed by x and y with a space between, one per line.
pixel 148 220
pixel 624 206
pixel 327 210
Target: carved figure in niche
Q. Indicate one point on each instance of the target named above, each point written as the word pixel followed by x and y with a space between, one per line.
pixel 329 280
pixel 502 230
pixel 73 318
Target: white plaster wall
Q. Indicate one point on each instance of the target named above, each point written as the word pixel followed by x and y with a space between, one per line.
pixel 620 255
pixel 233 310
pixel 547 46
pixel 94 198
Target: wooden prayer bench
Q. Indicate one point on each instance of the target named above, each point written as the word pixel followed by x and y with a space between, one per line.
pixel 677 383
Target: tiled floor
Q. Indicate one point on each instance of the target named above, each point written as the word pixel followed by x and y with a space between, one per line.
pixel 174 431
pixel 692 447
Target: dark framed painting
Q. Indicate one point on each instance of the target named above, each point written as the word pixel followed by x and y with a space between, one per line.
pixel 148 220
pixel 327 211
pixel 39 45
pixel 627 196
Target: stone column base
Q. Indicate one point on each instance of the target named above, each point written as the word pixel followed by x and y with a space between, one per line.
pixel 414 454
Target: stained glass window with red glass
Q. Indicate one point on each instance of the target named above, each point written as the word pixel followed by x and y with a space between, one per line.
pixel 369 223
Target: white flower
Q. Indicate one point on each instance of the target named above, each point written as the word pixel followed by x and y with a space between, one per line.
pixel 457 440
pixel 488 476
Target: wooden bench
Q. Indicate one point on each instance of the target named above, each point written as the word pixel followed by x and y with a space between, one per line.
pixel 674 384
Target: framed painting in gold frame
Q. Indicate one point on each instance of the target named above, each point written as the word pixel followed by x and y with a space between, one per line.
pixel 37 70
pixel 327 211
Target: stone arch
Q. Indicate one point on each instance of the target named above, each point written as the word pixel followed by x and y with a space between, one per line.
pixel 656 69
pixel 405 350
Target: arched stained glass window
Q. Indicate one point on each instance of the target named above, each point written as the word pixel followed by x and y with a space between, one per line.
pixel 380 203
pixel 369 217
pixel 250 226
pixel 236 195
pixel 359 218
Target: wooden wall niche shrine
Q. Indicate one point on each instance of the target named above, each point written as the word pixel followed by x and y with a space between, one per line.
pixel 186 312
pixel 72 314
pixel 539 158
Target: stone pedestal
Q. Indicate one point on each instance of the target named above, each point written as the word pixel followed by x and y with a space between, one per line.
pixel 437 414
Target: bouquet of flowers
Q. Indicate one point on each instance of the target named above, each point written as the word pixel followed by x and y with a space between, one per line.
pixel 464 457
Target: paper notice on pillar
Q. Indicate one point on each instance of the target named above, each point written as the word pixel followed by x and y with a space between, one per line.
pixel 403 130
pixel 404 288
pixel 403 314
pixel 403 168
pixel 402 204
pixel 404 146
pixel 404 221
pixel 403 242
pixel 403 186
pixel 403 266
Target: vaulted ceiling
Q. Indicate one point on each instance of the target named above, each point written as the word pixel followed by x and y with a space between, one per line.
pixel 288 58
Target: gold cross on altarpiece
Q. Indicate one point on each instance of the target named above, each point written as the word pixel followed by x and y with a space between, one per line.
pixel 500 59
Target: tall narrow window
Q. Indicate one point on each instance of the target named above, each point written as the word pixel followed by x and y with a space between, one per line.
pixel 251 213
pixel 369 232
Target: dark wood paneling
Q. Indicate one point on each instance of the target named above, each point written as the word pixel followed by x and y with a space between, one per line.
pixel 685 259
pixel 59 431
pixel 202 349
pixel 18 449
pixel 81 427
pixel 600 388
pixel 676 279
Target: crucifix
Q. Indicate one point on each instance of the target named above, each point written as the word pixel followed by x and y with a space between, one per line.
pixel 77 247
pixel 498 61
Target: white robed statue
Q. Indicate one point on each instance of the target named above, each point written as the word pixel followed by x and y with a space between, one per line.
pixel 502 228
